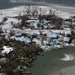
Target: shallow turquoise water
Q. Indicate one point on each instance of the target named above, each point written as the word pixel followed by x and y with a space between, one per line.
pixel 51 63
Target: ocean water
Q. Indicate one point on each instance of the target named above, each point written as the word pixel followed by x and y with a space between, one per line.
pixel 51 64
pixel 6 4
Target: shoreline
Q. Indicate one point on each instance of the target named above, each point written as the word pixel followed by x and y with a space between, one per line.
pixel 45 10
pixel 53 69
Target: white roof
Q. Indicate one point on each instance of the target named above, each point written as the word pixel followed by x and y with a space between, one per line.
pixel 66 39
pixel 7 49
pixel 32 21
pixel 37 41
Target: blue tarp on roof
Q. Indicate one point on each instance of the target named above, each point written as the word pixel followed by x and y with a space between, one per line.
pixel 67 25
pixel 52 35
pixel 55 42
pixel 36 23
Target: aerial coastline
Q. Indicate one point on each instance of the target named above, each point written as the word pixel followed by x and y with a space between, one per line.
pixel 28 30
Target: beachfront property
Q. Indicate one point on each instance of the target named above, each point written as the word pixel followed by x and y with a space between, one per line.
pixel 43 27
pixel 26 32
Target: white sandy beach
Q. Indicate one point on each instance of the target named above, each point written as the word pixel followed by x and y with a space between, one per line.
pixel 61 11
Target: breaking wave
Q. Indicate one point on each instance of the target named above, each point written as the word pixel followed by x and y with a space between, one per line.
pixel 68 57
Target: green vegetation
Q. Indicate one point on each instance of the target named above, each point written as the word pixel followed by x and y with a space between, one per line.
pixel 23 55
